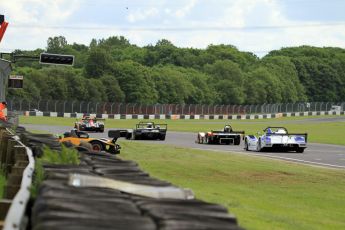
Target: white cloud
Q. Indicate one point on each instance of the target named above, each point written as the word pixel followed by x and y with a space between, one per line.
pixel 140 14
pixel 237 16
pixel 180 13
pixel 39 11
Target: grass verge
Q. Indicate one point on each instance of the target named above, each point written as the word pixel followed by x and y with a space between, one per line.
pixel 262 193
pixel 66 156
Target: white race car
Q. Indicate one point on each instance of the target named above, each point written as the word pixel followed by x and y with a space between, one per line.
pixel 276 139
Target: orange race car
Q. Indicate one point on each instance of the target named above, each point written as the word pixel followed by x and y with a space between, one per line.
pixel 102 144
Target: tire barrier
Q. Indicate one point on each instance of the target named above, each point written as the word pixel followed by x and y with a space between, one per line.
pixel 60 206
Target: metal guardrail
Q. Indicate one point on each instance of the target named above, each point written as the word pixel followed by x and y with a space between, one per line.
pixel 71 106
pixel 15 218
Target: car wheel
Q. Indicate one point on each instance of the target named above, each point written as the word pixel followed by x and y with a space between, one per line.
pixel 246 147
pixel 258 147
pixel 300 150
pixel 136 137
pixel 129 136
pixel 162 138
pixel 200 139
pixel 97 146
pixel 207 140
pixel 237 141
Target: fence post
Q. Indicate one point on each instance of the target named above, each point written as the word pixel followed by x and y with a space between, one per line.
pixel 327 106
pixel 96 107
pixel 111 108
pixel 64 106
pixel 55 106
pixel 47 106
pixel 87 107
pixel 72 107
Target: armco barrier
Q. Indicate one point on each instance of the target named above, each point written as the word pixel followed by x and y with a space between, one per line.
pixel 18 164
pixel 183 116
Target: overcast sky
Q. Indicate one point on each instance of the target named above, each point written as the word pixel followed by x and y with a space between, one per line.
pixel 258 26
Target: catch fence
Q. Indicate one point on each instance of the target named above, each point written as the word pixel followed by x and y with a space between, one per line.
pixel 187 109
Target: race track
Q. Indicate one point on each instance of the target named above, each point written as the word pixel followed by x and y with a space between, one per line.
pixel 324 155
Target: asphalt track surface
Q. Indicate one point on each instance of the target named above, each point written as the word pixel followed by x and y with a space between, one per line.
pixel 324 155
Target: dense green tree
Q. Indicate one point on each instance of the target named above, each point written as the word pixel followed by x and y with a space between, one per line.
pixel 172 85
pixel 261 87
pixel 112 89
pixel 56 44
pixel 136 82
pixel 98 63
pixel 227 79
pixel 114 70
pixel 284 70
pixel 95 90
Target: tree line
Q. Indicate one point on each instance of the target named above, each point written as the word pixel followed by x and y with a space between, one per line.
pixel 114 70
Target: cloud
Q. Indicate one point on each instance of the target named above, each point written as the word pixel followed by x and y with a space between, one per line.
pixel 239 21
pixel 39 11
pixel 142 14
pixel 180 13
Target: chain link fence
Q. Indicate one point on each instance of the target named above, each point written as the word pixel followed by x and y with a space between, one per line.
pixel 187 109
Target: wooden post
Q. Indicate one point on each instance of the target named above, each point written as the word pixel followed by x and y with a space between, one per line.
pixel 10 155
pixel 20 153
pixel 3 148
pixel 4 206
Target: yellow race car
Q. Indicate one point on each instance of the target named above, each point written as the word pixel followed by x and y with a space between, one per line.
pixel 97 144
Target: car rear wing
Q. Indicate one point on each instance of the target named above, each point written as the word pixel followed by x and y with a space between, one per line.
pixel 290 134
pixel 239 132
pixel 300 134
pixel 143 125
pixel 93 118
pixel 119 132
pixel 233 132
pixel 161 126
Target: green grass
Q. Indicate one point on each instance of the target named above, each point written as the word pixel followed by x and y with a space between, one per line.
pixel 327 132
pixel 66 156
pixel 262 193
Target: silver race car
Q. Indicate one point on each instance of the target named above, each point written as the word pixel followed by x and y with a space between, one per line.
pixel 276 139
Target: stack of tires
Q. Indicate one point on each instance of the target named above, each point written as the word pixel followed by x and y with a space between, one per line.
pixel 60 206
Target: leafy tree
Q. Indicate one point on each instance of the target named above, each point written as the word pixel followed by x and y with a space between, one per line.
pixel 227 79
pixel 285 71
pixel 136 82
pixel 56 44
pixel 98 63
pixel 171 84
pixel 95 90
pixel 112 69
pixel 262 87
pixel 112 89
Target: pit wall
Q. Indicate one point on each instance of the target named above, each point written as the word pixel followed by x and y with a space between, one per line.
pixel 184 117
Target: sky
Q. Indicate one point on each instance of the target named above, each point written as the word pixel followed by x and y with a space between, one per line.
pixel 256 26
